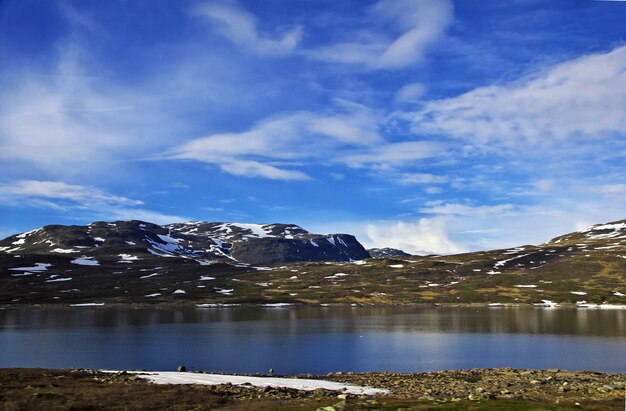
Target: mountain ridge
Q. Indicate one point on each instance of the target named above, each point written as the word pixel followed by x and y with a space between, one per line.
pixel 204 242
pixel 169 265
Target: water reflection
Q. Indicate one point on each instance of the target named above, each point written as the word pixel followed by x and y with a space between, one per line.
pixel 515 320
pixel 314 339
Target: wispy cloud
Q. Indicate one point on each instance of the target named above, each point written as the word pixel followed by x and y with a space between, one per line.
pixel 286 137
pixel 443 208
pixel 409 179
pixel 56 190
pixel 70 122
pixel 238 25
pixel 577 100
pixel 397 35
pixel 393 155
pixel 83 202
pixel 409 93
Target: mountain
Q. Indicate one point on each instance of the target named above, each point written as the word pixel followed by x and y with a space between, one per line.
pixel 202 242
pixel 135 262
pixel 387 252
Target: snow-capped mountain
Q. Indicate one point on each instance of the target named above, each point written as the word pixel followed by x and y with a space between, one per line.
pixel 134 262
pixel 203 242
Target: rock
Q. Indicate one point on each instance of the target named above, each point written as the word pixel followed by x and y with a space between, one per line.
pixel 610 387
pixel 181 368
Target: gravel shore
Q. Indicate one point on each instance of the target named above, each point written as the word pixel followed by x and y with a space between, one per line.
pixel 476 389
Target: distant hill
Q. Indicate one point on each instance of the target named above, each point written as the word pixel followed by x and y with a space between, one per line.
pixel 387 253
pixel 134 262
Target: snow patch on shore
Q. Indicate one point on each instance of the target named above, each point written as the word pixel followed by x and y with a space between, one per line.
pixel 173 377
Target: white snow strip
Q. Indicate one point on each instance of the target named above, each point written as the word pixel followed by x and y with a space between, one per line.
pixel 525 286
pixel 56 280
pixel 514 250
pixel 22 274
pixel 263 268
pixel 604 227
pixel 154 252
pixel 618 294
pixel 173 377
pixel 28 233
pixel 547 304
pixel 206 278
pixel 152 295
pixel 216 305
pixel 313 243
pixel 502 262
pixel 337 275
pixel 127 258
pixel 169 244
pixel 87 305
pixel 85 261
pixel 397 266
pixel 37 267
pixel 99 239
pixel 578 292
pixel 602 306
pixel 149 275
pixel 179 291
pixel 276 305
pixel 65 250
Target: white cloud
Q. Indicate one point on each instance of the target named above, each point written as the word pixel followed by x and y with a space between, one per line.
pixel 139 214
pixel 612 190
pixel 576 100
pixel 409 93
pixel 386 156
pixel 56 190
pixel 81 202
pixel 425 236
pixel 70 121
pixel 443 208
pixel 240 26
pixel 256 169
pixel 285 137
pixel 420 178
pixel 399 33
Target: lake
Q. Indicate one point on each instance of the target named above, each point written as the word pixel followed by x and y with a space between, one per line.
pixel 314 339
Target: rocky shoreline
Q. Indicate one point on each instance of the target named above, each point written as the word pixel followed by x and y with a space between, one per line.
pixel 103 304
pixel 476 389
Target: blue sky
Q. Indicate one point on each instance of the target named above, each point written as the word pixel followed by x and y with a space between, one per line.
pixel 433 126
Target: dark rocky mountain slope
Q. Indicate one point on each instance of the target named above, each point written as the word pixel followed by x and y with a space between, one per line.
pixel 202 242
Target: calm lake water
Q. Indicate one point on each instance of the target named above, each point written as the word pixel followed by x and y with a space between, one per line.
pixel 315 339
